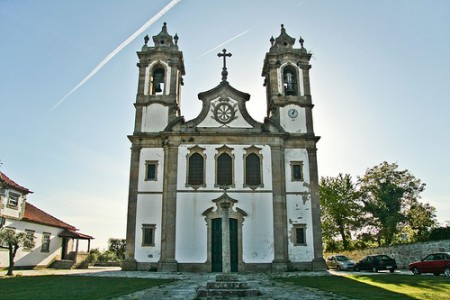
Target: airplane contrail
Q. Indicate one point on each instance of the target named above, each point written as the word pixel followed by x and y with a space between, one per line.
pixel 117 50
pixel 232 39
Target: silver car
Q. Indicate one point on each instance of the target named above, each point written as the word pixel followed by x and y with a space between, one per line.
pixel 340 262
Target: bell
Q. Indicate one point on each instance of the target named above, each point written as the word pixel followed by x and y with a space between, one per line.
pixel 289 84
pixel 158 88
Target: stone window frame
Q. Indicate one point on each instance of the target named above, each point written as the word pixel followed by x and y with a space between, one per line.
pixel 201 151
pixel 29 232
pixel 224 150
pixel 294 164
pixel 257 151
pixel 13 200
pixel 151 163
pixel 297 228
pixel 45 242
pixel 146 227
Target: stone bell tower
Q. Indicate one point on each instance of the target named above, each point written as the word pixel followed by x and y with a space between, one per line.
pixel 161 68
pixel 286 78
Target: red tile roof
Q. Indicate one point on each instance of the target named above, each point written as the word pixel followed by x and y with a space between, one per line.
pixel 35 215
pixel 5 179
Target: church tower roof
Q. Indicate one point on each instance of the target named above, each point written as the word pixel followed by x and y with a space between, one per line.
pixel 162 40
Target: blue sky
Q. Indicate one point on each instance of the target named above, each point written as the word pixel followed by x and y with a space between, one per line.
pixel 380 84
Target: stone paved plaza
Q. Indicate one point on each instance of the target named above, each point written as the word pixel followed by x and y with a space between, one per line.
pixel 187 283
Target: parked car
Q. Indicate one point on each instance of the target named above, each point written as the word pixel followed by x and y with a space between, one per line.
pixel 376 263
pixel 340 262
pixel 436 263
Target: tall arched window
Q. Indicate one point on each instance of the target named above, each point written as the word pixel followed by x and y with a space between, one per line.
pixel 252 170
pixel 290 81
pixel 224 170
pixel 196 170
pixel 158 81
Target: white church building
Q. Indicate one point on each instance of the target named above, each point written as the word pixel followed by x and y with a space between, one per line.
pixel 185 173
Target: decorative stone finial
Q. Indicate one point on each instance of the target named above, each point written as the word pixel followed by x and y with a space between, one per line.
pixel 301 41
pixel 176 39
pixel 272 40
pixel 146 38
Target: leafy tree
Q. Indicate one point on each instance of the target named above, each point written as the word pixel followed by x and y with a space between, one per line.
pixel 12 241
pixel 340 209
pixel 421 218
pixel 387 193
pixel 118 247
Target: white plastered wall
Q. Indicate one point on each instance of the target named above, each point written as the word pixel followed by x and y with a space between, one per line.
pixel 149 209
pixel 34 256
pixel 298 204
pixel 154 117
pixel 298 124
pixel 257 229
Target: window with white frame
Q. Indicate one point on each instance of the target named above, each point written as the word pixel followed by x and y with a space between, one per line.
pixel 45 242
pixel 252 167
pixel 13 200
pixel 196 167
pixel 30 236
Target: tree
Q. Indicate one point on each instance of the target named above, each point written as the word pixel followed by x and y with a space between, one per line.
pixel 118 247
pixel 387 193
pixel 421 218
pixel 340 208
pixel 12 241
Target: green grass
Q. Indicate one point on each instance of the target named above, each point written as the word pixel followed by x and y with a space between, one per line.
pixel 383 286
pixel 73 287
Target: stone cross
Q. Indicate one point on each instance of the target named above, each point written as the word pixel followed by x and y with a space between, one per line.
pixel 224 54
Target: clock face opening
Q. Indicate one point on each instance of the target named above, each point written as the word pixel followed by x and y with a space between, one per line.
pixel 293 113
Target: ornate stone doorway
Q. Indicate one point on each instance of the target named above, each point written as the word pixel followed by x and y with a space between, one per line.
pixel 213 220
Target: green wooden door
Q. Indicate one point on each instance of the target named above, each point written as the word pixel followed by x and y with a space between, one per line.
pixel 216 245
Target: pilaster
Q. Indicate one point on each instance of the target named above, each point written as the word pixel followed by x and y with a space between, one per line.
pixel 280 234
pixel 168 262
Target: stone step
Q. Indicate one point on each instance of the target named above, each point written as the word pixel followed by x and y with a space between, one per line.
pixel 227 285
pixel 202 292
pixel 62 264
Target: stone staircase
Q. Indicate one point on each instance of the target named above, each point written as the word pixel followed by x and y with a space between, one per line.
pixel 227 285
pixel 63 264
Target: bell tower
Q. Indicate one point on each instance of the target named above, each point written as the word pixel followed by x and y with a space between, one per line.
pixel 286 78
pixel 161 70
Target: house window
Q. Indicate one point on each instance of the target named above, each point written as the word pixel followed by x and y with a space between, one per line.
pixel 196 171
pixel 252 167
pixel 297 170
pixel 148 234
pixel 45 242
pixel 300 235
pixel 30 236
pixel 13 200
pixel 151 169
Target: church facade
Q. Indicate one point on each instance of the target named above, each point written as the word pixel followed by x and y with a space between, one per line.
pixel 186 174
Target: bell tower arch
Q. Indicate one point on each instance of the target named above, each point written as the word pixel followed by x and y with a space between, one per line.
pixel 161 70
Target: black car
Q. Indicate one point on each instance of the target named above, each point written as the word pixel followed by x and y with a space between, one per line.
pixel 376 262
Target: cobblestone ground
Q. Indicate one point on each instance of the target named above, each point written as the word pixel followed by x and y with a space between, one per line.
pixel 188 283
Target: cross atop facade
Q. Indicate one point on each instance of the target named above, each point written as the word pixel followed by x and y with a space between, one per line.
pixel 224 54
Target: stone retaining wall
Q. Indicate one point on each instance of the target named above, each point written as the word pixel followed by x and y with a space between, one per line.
pixel 403 254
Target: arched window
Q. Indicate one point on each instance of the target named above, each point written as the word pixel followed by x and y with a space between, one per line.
pixel 196 170
pixel 224 170
pixel 252 170
pixel 290 81
pixel 158 81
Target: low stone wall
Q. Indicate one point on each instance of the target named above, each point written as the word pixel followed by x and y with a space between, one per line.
pixel 403 254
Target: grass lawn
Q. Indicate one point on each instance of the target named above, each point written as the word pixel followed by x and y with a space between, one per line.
pixel 73 287
pixel 382 286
